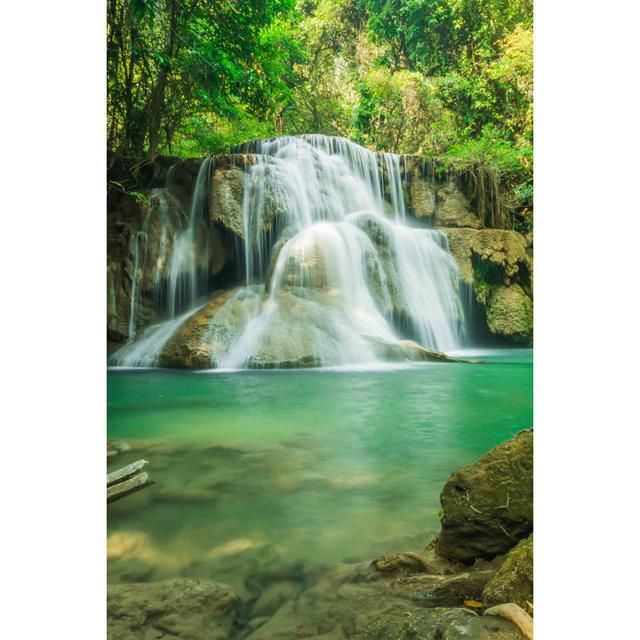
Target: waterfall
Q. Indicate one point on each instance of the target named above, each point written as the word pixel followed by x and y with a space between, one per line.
pixel 144 351
pixel 334 267
pixel 137 239
pixel 326 198
pixel 175 286
pixel 187 279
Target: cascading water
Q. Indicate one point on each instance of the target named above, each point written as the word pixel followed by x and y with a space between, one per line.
pixel 187 279
pixel 329 195
pixel 332 266
pixel 139 250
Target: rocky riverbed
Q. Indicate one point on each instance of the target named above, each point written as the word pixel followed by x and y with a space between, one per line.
pixel 481 557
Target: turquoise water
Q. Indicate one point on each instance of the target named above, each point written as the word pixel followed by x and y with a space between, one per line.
pixel 299 468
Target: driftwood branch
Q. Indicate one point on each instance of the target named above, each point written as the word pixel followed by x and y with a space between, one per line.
pixel 517 615
pixel 125 472
pixel 127 480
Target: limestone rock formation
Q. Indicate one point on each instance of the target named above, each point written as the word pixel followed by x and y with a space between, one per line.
pixel 146 229
pixel 206 335
pixel 422 197
pixel 514 580
pixel 183 608
pixel 453 209
pixel 227 191
pixel 497 263
pixel 510 313
pixel 488 506
pixel 498 256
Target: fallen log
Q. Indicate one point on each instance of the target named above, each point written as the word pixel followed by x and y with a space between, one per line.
pixel 127 487
pixel 125 472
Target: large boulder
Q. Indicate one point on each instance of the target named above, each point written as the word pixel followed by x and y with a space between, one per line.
pixel 204 338
pixel 514 580
pixel 510 313
pixel 226 194
pixel 488 506
pixel 183 608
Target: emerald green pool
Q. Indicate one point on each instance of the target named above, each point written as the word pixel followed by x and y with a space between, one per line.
pixel 305 468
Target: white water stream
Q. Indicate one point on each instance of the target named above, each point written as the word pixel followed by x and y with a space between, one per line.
pixel 330 191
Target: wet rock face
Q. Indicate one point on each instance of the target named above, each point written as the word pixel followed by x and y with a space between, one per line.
pixel 488 506
pixel 422 197
pixel 231 177
pixel 498 264
pixel 514 580
pixel 453 209
pixel 226 197
pixel 183 608
pixel 141 233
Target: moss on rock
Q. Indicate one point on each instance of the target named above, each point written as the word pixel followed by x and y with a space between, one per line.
pixel 488 506
pixel 514 580
pixel 510 313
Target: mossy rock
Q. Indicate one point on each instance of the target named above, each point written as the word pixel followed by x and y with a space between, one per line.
pixel 510 314
pixel 514 580
pixel 488 506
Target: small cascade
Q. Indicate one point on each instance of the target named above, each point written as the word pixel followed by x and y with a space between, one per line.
pixel 187 278
pixel 392 171
pixel 139 251
pixel 144 351
pixel 166 204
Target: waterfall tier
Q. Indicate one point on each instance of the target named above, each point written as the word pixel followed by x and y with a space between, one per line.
pixel 334 270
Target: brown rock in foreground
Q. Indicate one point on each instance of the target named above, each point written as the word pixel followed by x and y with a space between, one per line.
pixel 488 506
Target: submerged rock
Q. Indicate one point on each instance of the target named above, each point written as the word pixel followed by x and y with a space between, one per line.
pixel 443 624
pixel 184 608
pixel 488 506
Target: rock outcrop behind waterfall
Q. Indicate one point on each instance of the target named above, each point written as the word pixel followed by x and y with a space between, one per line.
pixel 497 264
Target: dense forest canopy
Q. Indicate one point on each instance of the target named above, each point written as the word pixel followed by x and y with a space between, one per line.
pixel 445 78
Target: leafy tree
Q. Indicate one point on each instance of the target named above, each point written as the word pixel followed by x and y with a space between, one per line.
pixel 171 60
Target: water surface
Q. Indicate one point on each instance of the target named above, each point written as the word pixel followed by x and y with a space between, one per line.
pixel 299 468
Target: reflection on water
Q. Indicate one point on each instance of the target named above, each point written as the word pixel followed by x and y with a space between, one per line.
pixel 275 470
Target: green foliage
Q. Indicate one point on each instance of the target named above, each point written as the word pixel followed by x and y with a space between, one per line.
pixel 445 78
pixel 171 60
pixel 402 111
